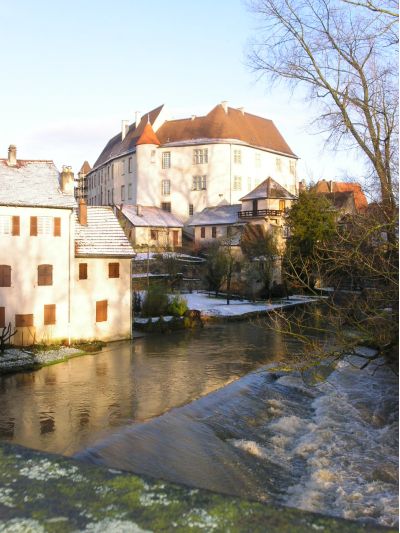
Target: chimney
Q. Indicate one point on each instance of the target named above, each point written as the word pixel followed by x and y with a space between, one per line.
pixel 139 210
pixel 137 118
pixel 124 128
pixel 82 212
pixel 330 185
pixel 12 155
pixel 67 180
pixel 241 109
pixel 225 106
pixel 193 117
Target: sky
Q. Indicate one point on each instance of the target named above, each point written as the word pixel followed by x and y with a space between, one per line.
pixel 72 70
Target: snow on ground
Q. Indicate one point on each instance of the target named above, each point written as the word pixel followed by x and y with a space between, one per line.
pixel 211 306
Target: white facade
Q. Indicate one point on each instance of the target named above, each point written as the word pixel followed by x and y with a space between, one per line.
pixel 187 176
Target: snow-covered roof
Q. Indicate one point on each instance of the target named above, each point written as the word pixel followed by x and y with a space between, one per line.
pixel 150 216
pixel 102 236
pixel 269 188
pixel 214 216
pixel 32 183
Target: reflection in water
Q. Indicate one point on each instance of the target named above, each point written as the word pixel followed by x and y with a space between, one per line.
pixel 65 407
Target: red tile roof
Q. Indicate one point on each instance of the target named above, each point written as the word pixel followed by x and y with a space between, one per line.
pixel 360 200
pixel 148 136
pixel 232 124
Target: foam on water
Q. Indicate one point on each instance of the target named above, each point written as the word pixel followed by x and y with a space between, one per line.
pixel 330 448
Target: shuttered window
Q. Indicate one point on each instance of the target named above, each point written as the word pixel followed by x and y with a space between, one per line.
pixel 82 270
pixel 113 270
pixel 5 276
pixel 2 317
pixel 57 227
pixel 23 321
pixel 45 275
pixel 5 225
pixel 33 226
pixel 101 311
pixel 49 318
pixel 15 226
pixel 203 233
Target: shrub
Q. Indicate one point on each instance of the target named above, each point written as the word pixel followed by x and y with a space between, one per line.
pixel 155 302
pixel 177 306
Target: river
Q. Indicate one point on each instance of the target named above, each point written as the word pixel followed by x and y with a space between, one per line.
pixel 199 408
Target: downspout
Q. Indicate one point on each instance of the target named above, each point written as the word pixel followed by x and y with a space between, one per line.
pixel 230 173
pixel 69 278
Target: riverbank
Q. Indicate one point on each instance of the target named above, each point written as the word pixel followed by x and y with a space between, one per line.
pixel 17 359
pixel 50 493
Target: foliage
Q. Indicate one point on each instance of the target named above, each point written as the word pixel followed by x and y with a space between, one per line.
pixel 177 306
pixel 344 53
pixel 257 242
pixel 216 268
pixel 156 301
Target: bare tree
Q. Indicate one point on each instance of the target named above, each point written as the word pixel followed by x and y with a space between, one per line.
pixel 346 56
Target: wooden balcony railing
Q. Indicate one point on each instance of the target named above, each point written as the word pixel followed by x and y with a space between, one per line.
pixel 260 213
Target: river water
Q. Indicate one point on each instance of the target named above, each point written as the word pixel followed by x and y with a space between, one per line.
pixel 200 408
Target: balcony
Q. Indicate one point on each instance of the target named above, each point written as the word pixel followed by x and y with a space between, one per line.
pixel 260 213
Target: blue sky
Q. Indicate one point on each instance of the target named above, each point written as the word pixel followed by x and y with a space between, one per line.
pixel 71 71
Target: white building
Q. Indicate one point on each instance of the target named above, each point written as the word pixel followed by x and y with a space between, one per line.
pixel 186 165
pixel 64 272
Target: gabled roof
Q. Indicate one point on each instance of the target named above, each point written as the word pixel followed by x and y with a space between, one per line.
pixel 150 217
pixel 269 188
pixel 102 236
pixel 85 168
pixel 342 201
pixel 232 124
pixel 116 146
pixel 214 216
pixel 148 136
pixel 360 200
pixel 32 183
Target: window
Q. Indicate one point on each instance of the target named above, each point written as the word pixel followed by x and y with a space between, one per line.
pixel 49 318
pixel 292 167
pixel 122 167
pixel 190 210
pixel 166 187
pixel 249 183
pixel 228 231
pixel 278 163
pixel 153 234
pixel 214 232
pixel 45 275
pixel 257 159
pixel 23 321
pixel 166 206
pixel 101 311
pixel 108 197
pixel 2 317
pixel 166 160
pixel 237 157
pixel 200 156
pixel 122 192
pixel 44 226
pixel 113 270
pixel 57 227
pixel 112 171
pixel 9 225
pixel 129 191
pixel 82 270
pixel 237 183
pixel 130 165
pixel 203 232
pixel 153 156
pixel 281 205
pixel 199 183
pixel 5 276
pixel 5 225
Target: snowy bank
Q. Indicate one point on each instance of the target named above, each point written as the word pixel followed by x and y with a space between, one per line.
pixel 217 307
